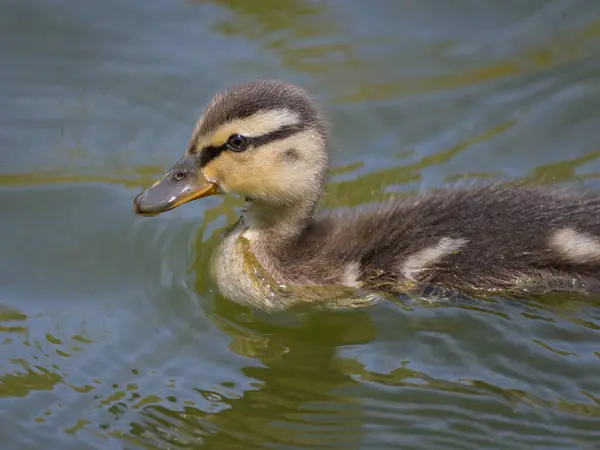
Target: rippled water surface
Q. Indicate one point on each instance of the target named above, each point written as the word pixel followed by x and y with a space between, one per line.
pixel 113 335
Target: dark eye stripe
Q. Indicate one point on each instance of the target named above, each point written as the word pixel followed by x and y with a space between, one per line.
pixel 282 133
pixel 209 153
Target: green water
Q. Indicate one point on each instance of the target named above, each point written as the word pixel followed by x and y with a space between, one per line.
pixel 114 337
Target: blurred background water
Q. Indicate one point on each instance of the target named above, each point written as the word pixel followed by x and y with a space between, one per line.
pixel 113 335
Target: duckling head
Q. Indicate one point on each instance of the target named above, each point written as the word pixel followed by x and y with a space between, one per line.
pixel 264 140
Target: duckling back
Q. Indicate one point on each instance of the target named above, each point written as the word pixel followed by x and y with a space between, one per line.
pixel 491 238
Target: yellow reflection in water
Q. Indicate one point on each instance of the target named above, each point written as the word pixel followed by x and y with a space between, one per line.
pixel 269 16
pixel 136 176
pixel 564 171
pixel 289 26
pixel 21 376
pixel 404 376
pixel 370 187
pixel 29 378
pixel 570 48
pixel 295 383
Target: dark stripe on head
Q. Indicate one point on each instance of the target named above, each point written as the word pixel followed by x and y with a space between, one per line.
pixel 209 153
pixel 276 135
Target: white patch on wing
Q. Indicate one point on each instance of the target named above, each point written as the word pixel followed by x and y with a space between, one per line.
pixel 351 275
pixel 575 246
pixel 423 259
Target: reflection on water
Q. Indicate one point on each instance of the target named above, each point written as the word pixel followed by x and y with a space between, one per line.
pixel 292 399
pixel 113 334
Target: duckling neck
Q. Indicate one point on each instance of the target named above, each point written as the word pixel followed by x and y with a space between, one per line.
pixel 277 224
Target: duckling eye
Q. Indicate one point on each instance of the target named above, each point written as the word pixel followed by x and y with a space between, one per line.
pixel 237 142
pixel 178 176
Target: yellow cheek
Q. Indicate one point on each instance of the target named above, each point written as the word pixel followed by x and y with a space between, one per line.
pixel 234 173
pixel 210 171
pixel 222 169
pixel 245 174
pixel 260 176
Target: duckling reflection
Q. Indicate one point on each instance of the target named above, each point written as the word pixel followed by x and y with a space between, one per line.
pixel 267 142
pixel 296 399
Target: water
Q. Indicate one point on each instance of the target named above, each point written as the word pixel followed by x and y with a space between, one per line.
pixel 113 335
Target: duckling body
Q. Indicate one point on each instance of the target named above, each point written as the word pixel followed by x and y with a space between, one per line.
pixel 486 238
pixel 267 142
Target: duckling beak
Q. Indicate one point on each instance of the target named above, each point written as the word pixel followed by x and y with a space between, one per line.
pixel 182 184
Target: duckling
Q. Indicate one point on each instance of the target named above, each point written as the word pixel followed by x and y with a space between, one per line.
pixel 268 142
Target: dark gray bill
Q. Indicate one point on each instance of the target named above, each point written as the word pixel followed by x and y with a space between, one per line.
pixel 180 185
